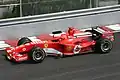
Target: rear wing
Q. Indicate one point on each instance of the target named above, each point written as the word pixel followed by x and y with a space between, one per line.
pixel 107 29
pixel 101 29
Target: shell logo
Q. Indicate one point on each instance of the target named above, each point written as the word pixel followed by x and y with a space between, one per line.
pixel 69 48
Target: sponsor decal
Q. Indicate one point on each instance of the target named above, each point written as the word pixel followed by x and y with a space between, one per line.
pixel 46 44
pixel 69 48
pixel 22 58
pixel 24 49
pixel 77 49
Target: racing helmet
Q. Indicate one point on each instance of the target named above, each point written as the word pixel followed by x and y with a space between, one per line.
pixel 70 31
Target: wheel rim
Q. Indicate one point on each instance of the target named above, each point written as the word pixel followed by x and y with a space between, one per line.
pixel 106 46
pixel 37 55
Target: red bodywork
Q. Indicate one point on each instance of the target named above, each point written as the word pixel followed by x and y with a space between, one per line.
pixel 76 42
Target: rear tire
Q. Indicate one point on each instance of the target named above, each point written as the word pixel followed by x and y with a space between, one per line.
pixel 23 40
pixel 37 55
pixel 103 46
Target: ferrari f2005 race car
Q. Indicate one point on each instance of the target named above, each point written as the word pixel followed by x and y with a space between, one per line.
pixel 59 44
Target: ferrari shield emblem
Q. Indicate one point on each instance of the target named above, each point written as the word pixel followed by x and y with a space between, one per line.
pixel 45 45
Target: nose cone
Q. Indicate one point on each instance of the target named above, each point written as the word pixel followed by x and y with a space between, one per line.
pixel 9 49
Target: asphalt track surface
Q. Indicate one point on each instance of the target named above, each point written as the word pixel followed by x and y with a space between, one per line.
pixel 82 67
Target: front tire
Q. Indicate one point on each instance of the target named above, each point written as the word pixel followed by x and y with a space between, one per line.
pixel 23 40
pixel 103 46
pixel 37 55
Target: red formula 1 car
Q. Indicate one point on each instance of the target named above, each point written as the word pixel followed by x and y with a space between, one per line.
pixel 59 43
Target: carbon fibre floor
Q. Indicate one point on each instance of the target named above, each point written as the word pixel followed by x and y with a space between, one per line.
pixel 83 67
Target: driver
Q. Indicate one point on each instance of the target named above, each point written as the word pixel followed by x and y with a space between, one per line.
pixel 71 31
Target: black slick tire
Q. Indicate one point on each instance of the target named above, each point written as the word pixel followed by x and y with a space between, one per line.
pixel 103 46
pixel 23 40
pixel 37 55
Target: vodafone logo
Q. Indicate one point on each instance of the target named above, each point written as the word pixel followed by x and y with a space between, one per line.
pixel 77 49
